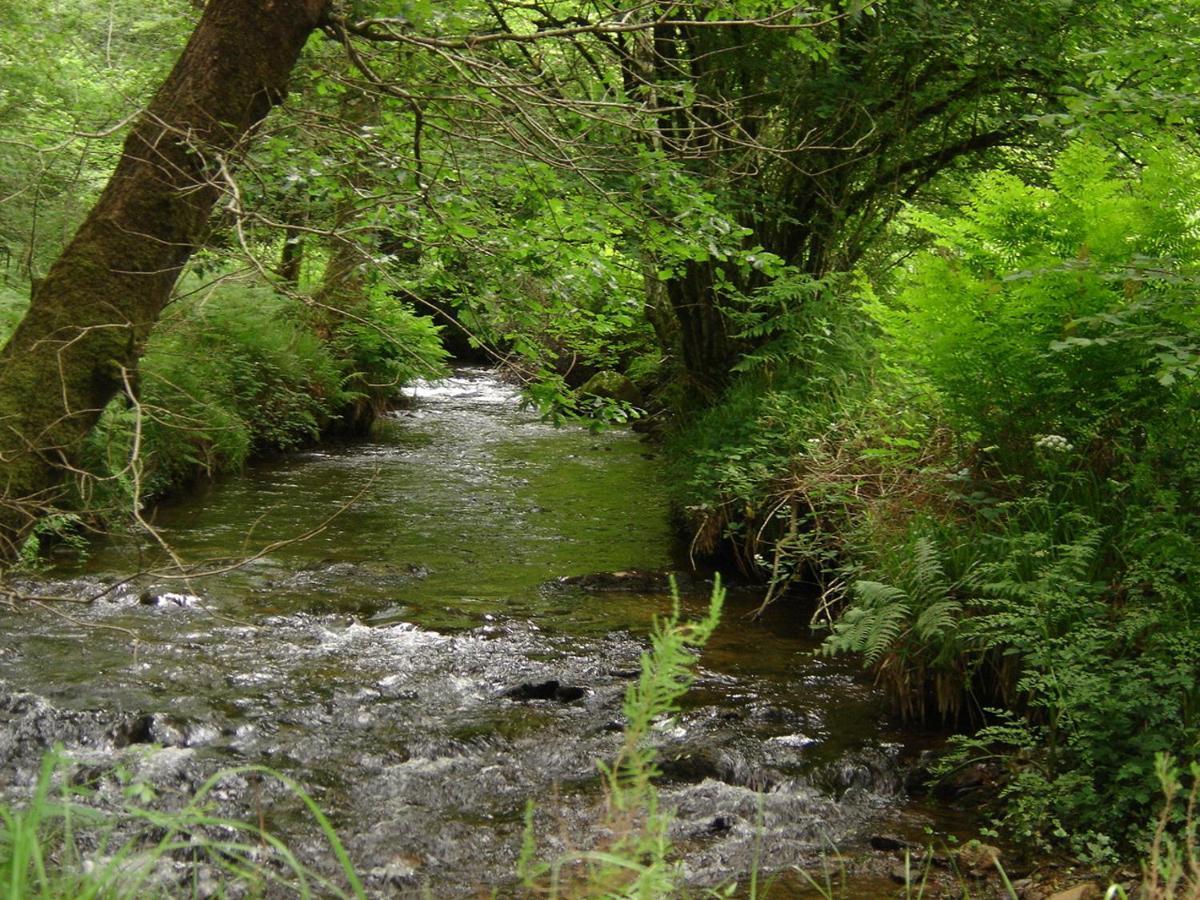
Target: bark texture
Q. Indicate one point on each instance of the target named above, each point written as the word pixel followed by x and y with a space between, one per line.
pixel 89 318
pixel 705 347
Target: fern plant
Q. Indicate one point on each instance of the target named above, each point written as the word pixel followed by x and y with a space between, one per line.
pixel 909 632
pixel 635 862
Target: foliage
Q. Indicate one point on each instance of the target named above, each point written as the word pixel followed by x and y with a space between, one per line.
pixel 380 344
pixel 387 343
pixel 1172 866
pixel 59 528
pixel 63 92
pixel 995 490
pixel 914 624
pixel 776 469
pixel 1054 326
pixel 234 371
pixel 984 454
pixel 1056 312
pixel 635 858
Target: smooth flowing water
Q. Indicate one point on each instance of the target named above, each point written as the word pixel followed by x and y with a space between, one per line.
pixel 398 661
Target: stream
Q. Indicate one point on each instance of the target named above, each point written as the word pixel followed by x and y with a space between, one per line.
pixel 430 660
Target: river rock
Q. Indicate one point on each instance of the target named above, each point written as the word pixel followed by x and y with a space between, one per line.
pixel 31 725
pixel 153 728
pixel 697 764
pixel 721 824
pixel 870 770
pixel 169 600
pixel 890 842
pixel 978 858
pixel 1086 891
pixel 546 690
pixel 962 782
pixel 399 873
pixel 613 386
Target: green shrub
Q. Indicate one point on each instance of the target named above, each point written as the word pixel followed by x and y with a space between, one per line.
pixel 386 344
pixel 1060 317
pixel 236 371
pixel 1003 515
pixel 1056 327
pixel 733 466
pixel 226 374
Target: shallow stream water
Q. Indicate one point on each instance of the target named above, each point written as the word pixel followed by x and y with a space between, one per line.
pixel 398 662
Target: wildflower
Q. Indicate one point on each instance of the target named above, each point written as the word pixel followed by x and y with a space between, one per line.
pixel 1053 443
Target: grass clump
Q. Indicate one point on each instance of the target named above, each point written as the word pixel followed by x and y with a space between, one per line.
pixel 237 371
pixel 58 845
pixel 232 371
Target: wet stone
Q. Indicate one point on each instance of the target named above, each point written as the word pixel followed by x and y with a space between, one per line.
pixel 169 600
pixel 165 731
pixel 546 690
pixel 978 858
pixel 721 824
pixel 890 842
pixel 151 729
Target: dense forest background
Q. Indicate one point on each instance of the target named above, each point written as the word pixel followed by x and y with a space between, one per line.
pixel 906 289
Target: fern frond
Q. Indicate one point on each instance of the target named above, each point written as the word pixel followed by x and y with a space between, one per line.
pixel 938 619
pixel 929 581
pixel 873 629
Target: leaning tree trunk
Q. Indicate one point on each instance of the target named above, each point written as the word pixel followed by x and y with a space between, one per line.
pixel 89 318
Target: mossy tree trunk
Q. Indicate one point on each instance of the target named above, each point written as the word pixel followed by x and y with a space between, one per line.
pixel 291 259
pixel 705 347
pixel 89 318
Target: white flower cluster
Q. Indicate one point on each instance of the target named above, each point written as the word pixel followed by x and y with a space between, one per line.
pixel 1054 443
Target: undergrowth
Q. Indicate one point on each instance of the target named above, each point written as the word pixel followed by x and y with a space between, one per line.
pixel 997 500
pixel 235 370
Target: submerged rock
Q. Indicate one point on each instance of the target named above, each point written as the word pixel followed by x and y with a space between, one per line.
pixel 165 730
pixel 634 581
pixel 890 842
pixel 330 576
pixel 978 858
pixel 613 386
pixel 169 600
pixel 546 690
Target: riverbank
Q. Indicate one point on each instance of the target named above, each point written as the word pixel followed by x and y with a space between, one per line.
pixel 235 371
pixel 991 488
